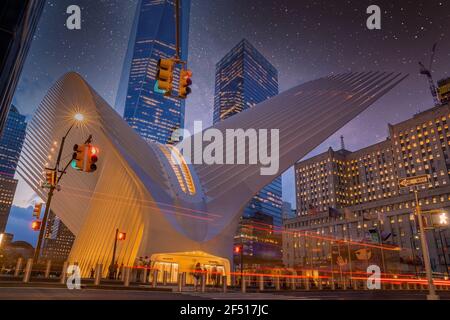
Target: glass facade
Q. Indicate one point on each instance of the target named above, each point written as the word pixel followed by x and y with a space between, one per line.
pixel 18 20
pixel 154 116
pixel 244 78
pixel 11 142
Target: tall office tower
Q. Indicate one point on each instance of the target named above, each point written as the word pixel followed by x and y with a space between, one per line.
pixel 352 195
pixel 18 20
pixel 154 116
pixel 244 78
pixel 58 240
pixel 11 141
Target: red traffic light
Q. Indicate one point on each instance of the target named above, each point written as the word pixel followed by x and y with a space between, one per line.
pixel 237 249
pixel 36 225
pixel 121 236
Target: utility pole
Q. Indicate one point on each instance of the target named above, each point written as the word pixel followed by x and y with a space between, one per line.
pixel 426 255
pixel 52 187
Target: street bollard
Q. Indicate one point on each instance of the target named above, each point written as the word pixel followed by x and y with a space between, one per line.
pixel 18 267
pixel 277 283
pixel 392 286
pixel 63 277
pixel 307 284
pixel 293 284
pixel 224 284
pixel 144 276
pixel 184 279
pixel 261 283
pixel 47 269
pixel 122 273
pixel 333 285
pixel 243 285
pixel 408 286
pixel 126 276
pixel 155 278
pixel 165 278
pixel 203 282
pixel 28 268
pixel 354 285
pixel 98 274
pixel 180 282
pixel 320 284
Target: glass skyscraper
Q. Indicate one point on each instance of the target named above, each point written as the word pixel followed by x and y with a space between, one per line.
pixel 244 78
pixel 18 21
pixel 152 115
pixel 11 141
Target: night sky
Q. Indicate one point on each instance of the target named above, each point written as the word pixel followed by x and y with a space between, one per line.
pixel 303 39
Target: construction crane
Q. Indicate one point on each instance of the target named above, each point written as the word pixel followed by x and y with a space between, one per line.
pixel 427 72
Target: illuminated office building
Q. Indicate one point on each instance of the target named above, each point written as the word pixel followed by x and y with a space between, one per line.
pixel 18 21
pixel 58 240
pixel 348 195
pixel 11 141
pixel 154 116
pixel 244 78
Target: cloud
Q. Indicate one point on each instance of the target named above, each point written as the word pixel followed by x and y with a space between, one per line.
pixel 19 224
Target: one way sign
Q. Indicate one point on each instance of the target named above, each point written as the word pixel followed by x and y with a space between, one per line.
pixel 413 181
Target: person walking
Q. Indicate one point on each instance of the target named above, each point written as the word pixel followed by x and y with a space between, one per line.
pixel 197 275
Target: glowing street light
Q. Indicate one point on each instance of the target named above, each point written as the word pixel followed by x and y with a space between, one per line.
pixel 79 117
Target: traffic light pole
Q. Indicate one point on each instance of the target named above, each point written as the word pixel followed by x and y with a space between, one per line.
pixel 426 255
pixel 111 267
pixel 50 194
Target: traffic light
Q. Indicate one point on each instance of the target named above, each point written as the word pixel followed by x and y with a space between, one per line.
pixel 92 158
pixel 78 157
pixel 36 225
pixel 238 249
pixel 37 210
pixel 164 75
pixel 121 236
pixel 50 177
pixel 85 158
pixel 185 83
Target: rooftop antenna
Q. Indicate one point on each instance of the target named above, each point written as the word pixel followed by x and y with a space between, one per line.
pixel 342 143
pixel 427 72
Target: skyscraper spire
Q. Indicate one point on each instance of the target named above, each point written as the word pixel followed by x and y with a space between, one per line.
pixel 342 143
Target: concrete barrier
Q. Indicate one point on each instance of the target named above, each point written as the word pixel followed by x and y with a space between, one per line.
pixel 18 267
pixel 28 268
pixel 48 268
pixel 224 284
pixel 277 283
pixel 155 278
pixel 126 276
pixel 98 274
pixel 293 284
pixel 243 285
pixel 144 275
pixel 261 283
pixel 180 282
pixel 307 284
pixel 203 282
pixel 63 277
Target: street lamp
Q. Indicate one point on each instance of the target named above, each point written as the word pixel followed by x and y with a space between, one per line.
pixel 78 118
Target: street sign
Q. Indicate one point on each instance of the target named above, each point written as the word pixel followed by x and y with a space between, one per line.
pixel 413 181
